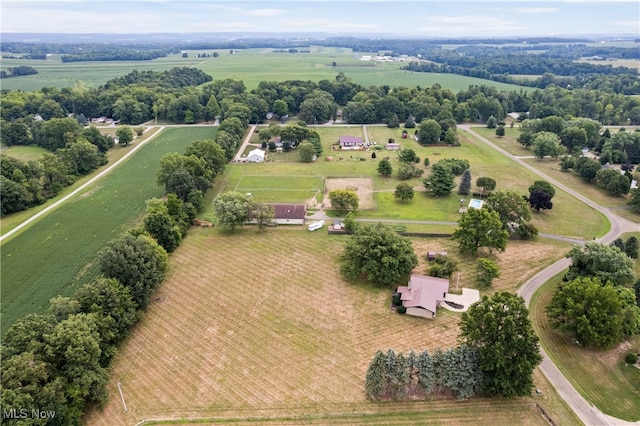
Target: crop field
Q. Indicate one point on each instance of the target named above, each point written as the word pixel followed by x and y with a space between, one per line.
pixel 262 326
pixel 9 222
pixel 284 189
pixel 602 377
pixel 251 66
pixel 57 253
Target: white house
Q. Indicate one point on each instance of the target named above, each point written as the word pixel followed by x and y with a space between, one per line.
pixel 256 156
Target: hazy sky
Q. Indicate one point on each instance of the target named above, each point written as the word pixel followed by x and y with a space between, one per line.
pixel 415 18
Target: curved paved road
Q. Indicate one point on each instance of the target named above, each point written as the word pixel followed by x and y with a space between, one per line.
pixel 589 414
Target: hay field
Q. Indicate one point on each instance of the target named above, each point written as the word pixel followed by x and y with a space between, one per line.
pixel 262 326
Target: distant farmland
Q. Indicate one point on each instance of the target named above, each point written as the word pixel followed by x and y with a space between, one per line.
pixel 57 254
pixel 251 66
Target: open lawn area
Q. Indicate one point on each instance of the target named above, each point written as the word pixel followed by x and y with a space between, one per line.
pixel 262 326
pixel 249 65
pixel 57 253
pixel 24 153
pixel 569 217
pixel 601 377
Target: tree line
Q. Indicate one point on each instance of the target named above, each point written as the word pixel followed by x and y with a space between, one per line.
pixel 58 361
pixel 76 152
pixel 18 71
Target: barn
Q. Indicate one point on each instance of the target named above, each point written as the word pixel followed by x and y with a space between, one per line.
pixel 256 156
pixel 289 214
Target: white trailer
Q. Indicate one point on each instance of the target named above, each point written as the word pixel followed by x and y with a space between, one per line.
pixel 315 225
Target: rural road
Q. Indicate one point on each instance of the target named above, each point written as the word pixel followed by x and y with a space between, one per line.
pixel 589 414
pixel 80 188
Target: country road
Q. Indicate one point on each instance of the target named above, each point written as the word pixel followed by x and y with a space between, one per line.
pixel 589 414
pixel 80 188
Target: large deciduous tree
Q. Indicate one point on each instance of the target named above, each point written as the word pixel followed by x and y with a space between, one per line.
pixel 231 209
pixel 403 192
pixel 124 135
pixel 486 183
pixel 596 314
pixel 429 132
pixel 379 255
pixel 344 200
pixel 604 262
pixel 546 144
pixel 499 327
pixel 513 209
pixel 307 152
pixel 480 228
pixel 138 262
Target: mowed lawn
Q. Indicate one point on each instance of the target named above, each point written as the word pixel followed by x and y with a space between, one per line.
pixel 262 326
pixel 57 254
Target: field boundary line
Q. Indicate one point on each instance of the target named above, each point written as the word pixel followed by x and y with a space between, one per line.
pixel 82 187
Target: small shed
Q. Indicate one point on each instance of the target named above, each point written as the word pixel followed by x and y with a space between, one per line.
pixel 392 146
pixel 256 156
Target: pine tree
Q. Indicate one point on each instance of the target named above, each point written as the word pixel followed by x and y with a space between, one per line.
pixel 402 377
pixel 374 383
pixel 390 373
pixel 465 183
pixel 413 368
pixel 426 372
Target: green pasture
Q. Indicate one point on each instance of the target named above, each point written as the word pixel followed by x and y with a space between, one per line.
pixel 568 217
pixel 284 189
pixel 24 153
pixel 601 377
pixel 249 65
pixel 57 254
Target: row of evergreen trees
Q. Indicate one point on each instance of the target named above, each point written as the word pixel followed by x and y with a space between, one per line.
pixel 395 376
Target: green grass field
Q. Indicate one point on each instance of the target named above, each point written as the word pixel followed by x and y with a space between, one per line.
pixel 601 377
pixel 561 220
pixel 251 66
pixel 284 189
pixel 24 153
pixel 57 254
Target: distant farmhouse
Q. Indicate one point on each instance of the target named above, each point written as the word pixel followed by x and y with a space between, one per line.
pixel 350 142
pixel 256 156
